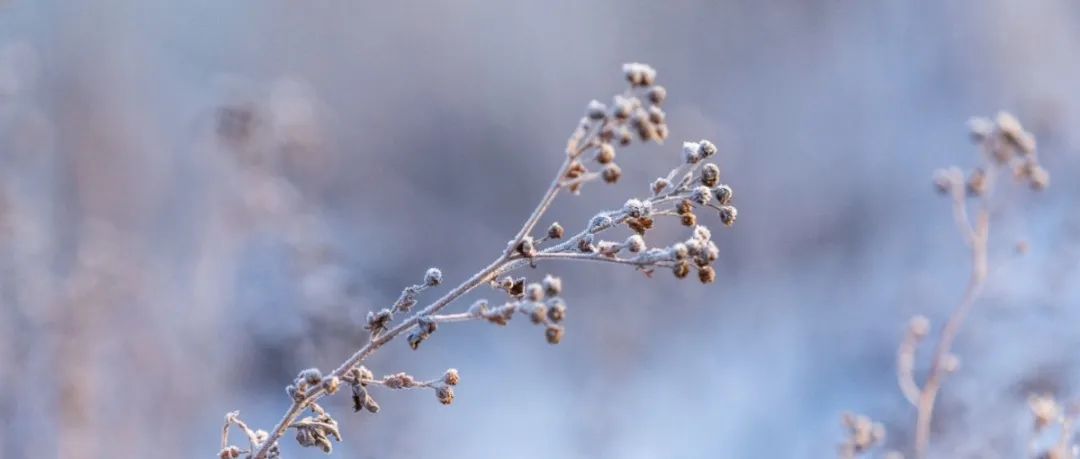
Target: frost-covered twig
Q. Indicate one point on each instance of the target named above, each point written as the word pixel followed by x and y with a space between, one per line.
pixel 1005 146
pixel 692 185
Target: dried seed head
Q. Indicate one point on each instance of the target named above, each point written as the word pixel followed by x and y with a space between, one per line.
pixel 635 243
pixel 537 313
pixel 552 285
pixel 310 376
pixel 625 137
pixel 585 244
pixel 659 185
pixel 702 233
pixel 706 274
pixel 556 310
pixel 331 384
pixel 707 148
pixel 526 248
pixel 596 110
pixel 640 225
pixel 555 231
pixel 639 74
pixel 710 175
pixel 657 94
pixel 554 334
pixel 445 394
pixel 399 381
pixel 518 288
pixel 451 377
pixel 432 277
pixel 478 308
pixel 635 208
pixel 701 195
pixel 415 338
pixel 919 326
pixel 681 269
pixel 728 215
pixel 685 207
pixel 688 219
pixel 662 132
pixel 724 195
pixel 611 173
pixel 605 153
pixel 691 152
pixel 679 251
pixel 534 292
pixel 656 115
pixel 230 452
pixel 624 106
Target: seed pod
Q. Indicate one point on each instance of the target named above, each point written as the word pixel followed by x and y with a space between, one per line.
pixel 605 153
pixel 555 231
pixel 710 175
pixel 706 274
pixel 681 269
pixel 611 173
pixel 553 334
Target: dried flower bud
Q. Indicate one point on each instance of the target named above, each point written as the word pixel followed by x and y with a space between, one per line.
pixel 445 394
pixel 478 308
pixel 640 225
pixel 414 339
pixel 659 185
pixel 611 173
pixel 634 208
pixel 623 107
pixel 451 377
pixel 656 115
pixel 639 74
pixel 605 153
pixel 662 132
pixel 1014 133
pixel 701 195
pixel 585 244
pixel 681 269
pixel 378 321
pixel 657 94
pixel 919 326
pixel 331 384
pixel 399 381
pixel 432 277
pixel 706 274
pixel 526 248
pixel 293 393
pixel 728 215
pixel 534 292
pixel 556 310
pixel 518 288
pixel 310 376
pixel 552 285
pixel 537 312
pixel 231 452
pixel 688 219
pixel 710 175
pixel 625 137
pixel 707 148
pixel 691 152
pixel 555 231
pixel 554 334
pixel 684 207
pixel 635 243
pixel 596 110
pixel 724 195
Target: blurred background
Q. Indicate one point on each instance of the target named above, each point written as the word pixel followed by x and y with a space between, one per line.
pixel 198 199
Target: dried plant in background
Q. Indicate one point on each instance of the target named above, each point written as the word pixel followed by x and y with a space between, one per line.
pixel 1005 147
pixel 693 185
pixel 1053 426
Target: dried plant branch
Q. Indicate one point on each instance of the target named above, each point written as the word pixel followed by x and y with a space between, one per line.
pixel 630 117
pixel 1005 145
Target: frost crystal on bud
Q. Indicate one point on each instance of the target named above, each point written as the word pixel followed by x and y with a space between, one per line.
pixel 552 285
pixel 691 152
pixel 596 110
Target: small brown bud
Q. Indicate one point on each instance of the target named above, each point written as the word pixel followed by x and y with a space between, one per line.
pixel 724 195
pixel 640 225
pixel 445 394
pixel 331 384
pixel 537 313
pixel 596 110
pixel 552 285
pixel 710 175
pixel 605 153
pixel 681 269
pixel 625 137
pixel 657 94
pixel 656 115
pixel 728 215
pixel 688 219
pixel 611 173
pixel 555 231
pixel 526 248
pixel 451 377
pixel 707 148
pixel 706 274
pixel 659 185
pixel 556 310
pixel 534 292
pixel 554 334
pixel 685 207
pixel 415 338
pixel 701 195
pixel 432 277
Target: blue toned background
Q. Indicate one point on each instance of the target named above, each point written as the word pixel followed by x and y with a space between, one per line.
pixel 201 198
